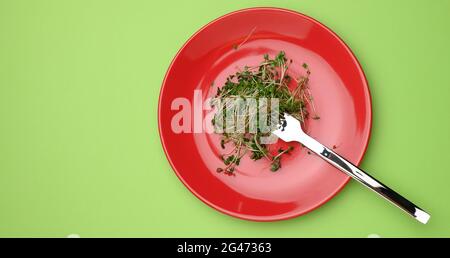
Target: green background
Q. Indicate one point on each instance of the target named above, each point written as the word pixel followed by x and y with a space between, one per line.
pixel 79 145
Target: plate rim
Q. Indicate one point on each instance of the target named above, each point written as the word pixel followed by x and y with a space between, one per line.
pixel 280 217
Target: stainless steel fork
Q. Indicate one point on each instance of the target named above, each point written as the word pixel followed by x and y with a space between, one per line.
pixel 290 130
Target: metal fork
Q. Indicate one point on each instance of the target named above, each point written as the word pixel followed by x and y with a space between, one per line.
pixel 290 130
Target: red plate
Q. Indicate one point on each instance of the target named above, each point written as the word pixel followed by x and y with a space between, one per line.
pixel 341 97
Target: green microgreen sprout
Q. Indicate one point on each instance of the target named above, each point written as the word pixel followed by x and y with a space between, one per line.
pixel 269 79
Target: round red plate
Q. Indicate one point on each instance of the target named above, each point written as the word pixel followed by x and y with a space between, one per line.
pixel 341 96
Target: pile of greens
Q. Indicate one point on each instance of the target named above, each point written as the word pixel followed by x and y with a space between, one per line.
pixel 270 79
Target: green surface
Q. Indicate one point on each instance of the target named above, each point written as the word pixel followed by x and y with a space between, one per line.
pixel 79 145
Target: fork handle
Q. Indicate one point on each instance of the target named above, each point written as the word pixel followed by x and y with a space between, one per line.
pixel 358 174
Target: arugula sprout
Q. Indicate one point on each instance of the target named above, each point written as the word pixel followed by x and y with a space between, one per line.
pixel 270 79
